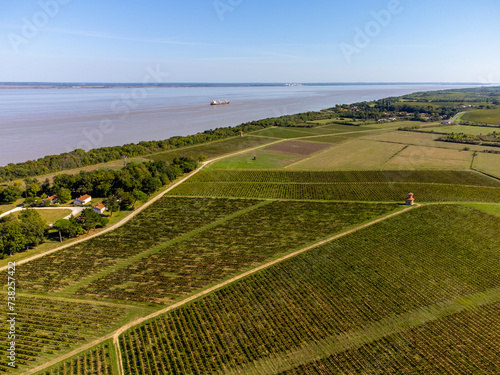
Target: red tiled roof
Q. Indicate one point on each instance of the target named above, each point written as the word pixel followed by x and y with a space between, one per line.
pixel 84 197
pixel 100 206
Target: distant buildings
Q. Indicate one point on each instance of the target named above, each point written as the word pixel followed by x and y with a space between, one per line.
pixel 50 200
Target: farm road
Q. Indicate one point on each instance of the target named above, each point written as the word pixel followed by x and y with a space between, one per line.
pixel 75 211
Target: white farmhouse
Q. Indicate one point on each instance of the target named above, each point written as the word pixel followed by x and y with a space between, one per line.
pixel 100 208
pixel 84 199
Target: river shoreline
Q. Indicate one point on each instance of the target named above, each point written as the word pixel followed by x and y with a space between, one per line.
pixel 35 123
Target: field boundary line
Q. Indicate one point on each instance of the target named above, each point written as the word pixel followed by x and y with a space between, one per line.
pixel 371 332
pixel 395 154
pixel 485 174
pixel 138 210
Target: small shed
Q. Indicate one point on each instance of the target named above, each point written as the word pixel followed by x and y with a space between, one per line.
pixel 100 208
pixel 84 199
pixel 410 201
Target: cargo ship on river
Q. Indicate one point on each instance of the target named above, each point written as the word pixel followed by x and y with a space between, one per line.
pixel 220 102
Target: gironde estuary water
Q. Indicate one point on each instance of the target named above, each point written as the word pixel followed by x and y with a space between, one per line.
pixel 35 122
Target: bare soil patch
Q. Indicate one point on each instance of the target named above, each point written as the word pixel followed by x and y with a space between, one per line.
pixel 298 147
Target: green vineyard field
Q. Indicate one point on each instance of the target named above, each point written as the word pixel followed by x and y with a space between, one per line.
pixel 421 176
pixel 428 256
pixel 97 361
pixel 165 220
pixel 464 343
pixel 428 186
pixel 245 241
pixel 47 327
pixel 376 192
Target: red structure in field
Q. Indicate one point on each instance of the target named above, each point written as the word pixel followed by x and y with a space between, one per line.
pixel 410 201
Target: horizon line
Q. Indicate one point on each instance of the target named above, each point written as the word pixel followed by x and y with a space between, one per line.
pixel 84 83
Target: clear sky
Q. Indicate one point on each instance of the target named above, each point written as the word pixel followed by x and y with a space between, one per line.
pixel 250 40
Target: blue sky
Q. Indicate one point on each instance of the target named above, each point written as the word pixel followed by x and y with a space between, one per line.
pixel 250 40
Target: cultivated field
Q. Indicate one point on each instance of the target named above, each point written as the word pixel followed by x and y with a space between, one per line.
pixel 46 328
pixel 464 343
pixel 489 163
pixel 275 156
pixel 369 155
pixel 474 130
pixel 488 116
pixel 419 139
pixel 422 157
pixel 374 187
pixel 273 229
pixel 310 305
pixel 157 225
pixel 297 147
pixel 427 176
pixel 214 149
pixel 308 132
pixel 100 360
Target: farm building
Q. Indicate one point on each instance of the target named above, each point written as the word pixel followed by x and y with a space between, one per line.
pixel 410 201
pixel 84 199
pixel 50 200
pixel 100 208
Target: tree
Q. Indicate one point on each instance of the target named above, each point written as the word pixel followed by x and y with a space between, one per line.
pixel 139 196
pixel 187 164
pixel 10 194
pixel 125 199
pixel 92 219
pixel 33 190
pixel 112 204
pixel 45 186
pixel 34 227
pixel 64 195
pixel 150 185
pixel 69 228
pixel 12 239
pixel 33 202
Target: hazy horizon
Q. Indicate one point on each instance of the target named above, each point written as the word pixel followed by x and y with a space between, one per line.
pixel 247 83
